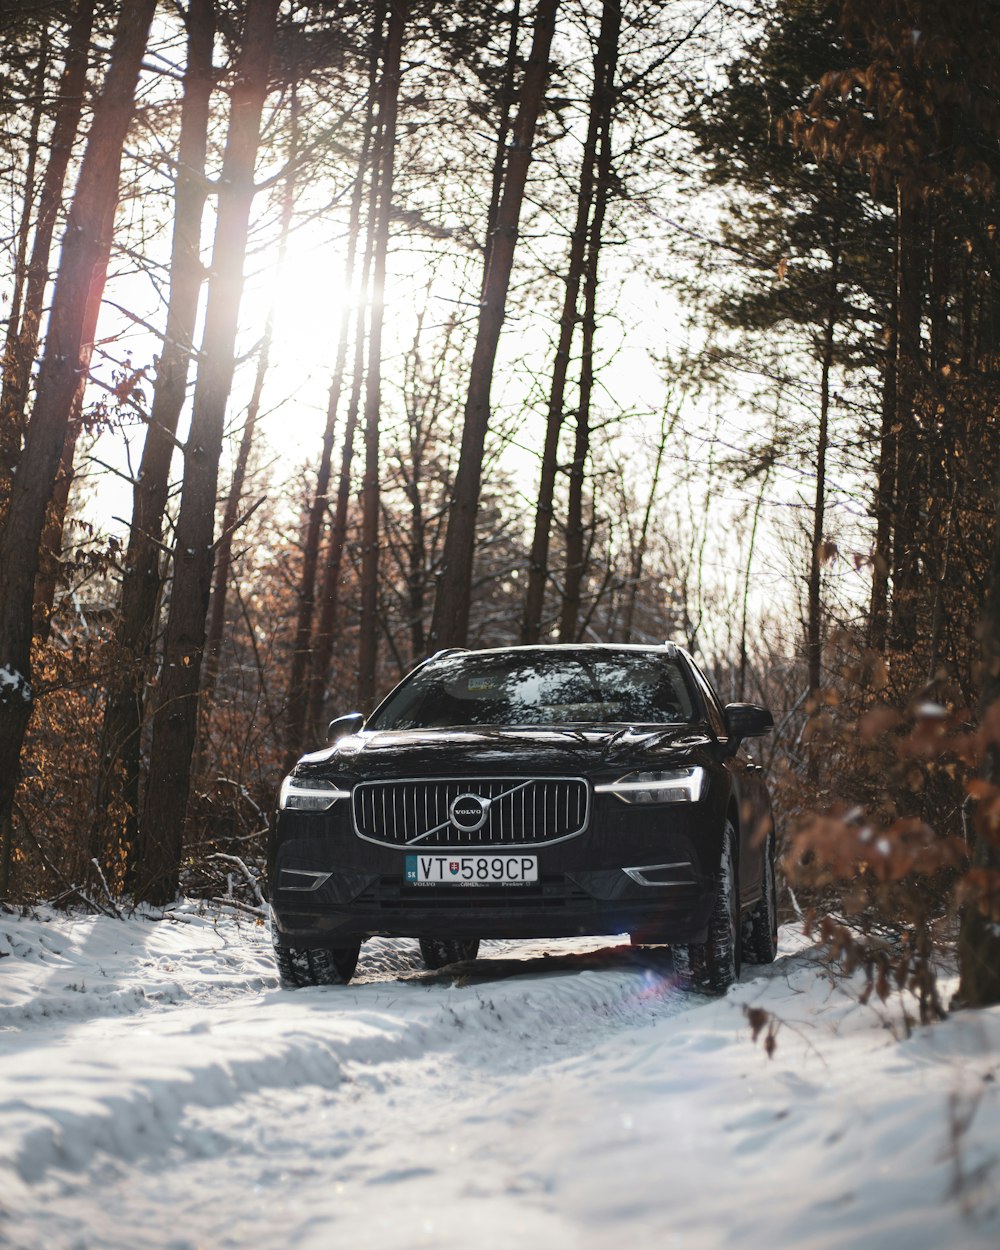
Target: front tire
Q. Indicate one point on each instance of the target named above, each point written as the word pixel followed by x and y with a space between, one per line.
pixel 438 952
pixel 760 935
pixel 713 966
pixel 299 966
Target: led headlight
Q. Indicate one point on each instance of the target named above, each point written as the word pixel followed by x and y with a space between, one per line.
pixel 308 794
pixel 671 785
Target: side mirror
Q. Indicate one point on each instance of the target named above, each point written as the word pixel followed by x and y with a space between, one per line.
pixel 344 726
pixel 747 720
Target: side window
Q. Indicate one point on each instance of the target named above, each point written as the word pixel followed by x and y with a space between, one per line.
pixel 716 716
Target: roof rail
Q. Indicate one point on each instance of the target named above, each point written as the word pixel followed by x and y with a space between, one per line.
pixel 670 647
pixel 447 651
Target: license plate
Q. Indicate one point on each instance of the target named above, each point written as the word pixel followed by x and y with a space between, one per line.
pixel 471 869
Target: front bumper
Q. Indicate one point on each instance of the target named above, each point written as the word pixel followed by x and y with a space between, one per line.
pixel 330 888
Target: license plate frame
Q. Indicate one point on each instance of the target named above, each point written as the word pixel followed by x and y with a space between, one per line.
pixel 471 870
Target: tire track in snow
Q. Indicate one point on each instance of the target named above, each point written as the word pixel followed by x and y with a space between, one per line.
pixel 127 1083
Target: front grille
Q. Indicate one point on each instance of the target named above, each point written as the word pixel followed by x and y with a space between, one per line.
pixel 517 811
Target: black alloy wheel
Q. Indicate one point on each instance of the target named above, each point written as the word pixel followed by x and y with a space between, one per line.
pixel 713 966
pixel 760 931
pixel 299 967
pixel 439 952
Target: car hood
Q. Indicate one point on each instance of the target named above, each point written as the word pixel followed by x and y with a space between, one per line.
pixel 440 752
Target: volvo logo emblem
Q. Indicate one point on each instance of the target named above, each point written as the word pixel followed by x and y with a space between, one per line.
pixel 469 812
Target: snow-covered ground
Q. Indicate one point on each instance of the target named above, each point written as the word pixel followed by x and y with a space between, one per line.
pixel 158 1090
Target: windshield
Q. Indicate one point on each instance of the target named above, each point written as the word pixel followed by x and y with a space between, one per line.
pixel 575 687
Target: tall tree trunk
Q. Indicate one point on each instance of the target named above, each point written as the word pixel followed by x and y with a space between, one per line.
pixel 51 547
pixel 66 360
pixel 298 683
pixel 506 102
pixel 388 107
pixel 699 539
pixel 970 276
pixel 939 563
pixel 175 719
pixel 452 601
pixel 230 519
pixel 322 651
pixel 10 429
pixel 322 655
pixel 814 623
pixel 575 526
pixel 885 495
pixel 27 200
pixel 230 522
pixel 575 554
pixel 667 425
pixel 411 470
pixel 417 569
pixel 117 788
pixel 979 933
pixel 941 287
pixel 538 562
pixel 940 477
pixel 907 540
pixel 21 348
pixel 741 681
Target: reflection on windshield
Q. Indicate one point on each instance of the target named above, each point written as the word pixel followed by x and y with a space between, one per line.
pixel 541 688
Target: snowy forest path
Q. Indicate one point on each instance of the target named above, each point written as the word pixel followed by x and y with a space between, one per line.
pixel 557 1094
pixel 184 1051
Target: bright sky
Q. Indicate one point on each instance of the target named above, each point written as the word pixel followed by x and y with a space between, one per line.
pixel 643 322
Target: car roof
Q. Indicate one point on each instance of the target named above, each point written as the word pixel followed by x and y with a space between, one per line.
pixel 552 648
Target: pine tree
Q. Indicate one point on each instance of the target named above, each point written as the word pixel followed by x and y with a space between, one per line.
pixel 175 718
pixel 69 344
pixel 452 599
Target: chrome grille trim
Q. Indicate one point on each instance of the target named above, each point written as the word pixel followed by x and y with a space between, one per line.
pixel 413 812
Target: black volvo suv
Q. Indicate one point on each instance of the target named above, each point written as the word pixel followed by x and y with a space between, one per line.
pixel 545 791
